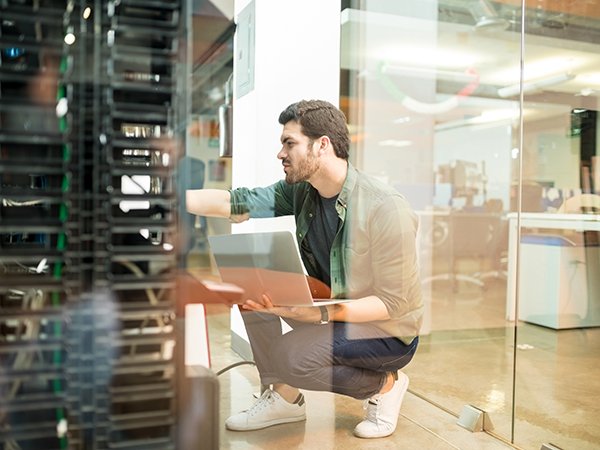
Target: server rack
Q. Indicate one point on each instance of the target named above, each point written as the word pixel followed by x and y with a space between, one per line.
pixel 37 280
pixel 89 144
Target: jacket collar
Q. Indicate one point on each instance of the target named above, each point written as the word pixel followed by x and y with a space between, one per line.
pixel 346 192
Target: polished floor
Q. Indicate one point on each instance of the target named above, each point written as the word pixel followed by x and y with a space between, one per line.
pixel 466 359
pixel 474 355
pixel 330 418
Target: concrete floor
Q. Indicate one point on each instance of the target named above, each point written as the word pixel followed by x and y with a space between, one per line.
pixel 466 357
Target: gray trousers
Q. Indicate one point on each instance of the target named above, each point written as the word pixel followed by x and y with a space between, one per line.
pixel 352 359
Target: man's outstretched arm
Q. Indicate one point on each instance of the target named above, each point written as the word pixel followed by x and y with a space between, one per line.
pixel 208 202
pixel 211 203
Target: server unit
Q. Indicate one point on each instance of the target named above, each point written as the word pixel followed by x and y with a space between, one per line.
pixel 90 114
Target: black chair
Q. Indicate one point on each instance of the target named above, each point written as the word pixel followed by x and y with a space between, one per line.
pixel 474 237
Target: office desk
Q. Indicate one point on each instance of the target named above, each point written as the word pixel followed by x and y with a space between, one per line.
pixel 564 262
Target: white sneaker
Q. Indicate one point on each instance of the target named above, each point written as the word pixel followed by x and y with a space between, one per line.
pixel 270 409
pixel 382 411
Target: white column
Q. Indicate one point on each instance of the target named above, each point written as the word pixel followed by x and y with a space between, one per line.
pixel 296 56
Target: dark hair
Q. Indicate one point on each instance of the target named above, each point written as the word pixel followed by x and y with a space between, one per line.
pixel 320 118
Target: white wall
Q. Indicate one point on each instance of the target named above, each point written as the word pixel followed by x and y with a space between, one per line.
pixel 296 57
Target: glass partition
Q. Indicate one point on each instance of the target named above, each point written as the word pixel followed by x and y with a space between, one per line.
pixel 558 261
pixel 432 90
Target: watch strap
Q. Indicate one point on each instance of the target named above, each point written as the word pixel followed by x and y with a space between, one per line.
pixel 324 314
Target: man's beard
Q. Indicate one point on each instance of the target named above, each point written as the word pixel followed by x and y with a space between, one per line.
pixel 302 170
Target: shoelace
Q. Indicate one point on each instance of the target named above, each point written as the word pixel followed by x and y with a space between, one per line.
pixel 265 399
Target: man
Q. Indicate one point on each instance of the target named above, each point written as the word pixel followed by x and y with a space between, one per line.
pixel 355 234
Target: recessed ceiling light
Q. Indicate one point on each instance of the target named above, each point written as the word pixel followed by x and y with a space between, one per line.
pixel 394 143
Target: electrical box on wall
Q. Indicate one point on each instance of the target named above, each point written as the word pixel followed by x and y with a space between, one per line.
pixel 244 51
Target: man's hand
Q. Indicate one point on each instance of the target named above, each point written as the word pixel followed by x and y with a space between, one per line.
pixel 301 313
pixel 239 218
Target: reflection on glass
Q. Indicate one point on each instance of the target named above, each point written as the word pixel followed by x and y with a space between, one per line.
pixel 558 309
pixel 433 93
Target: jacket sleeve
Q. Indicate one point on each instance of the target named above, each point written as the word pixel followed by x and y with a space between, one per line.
pixel 394 257
pixel 262 202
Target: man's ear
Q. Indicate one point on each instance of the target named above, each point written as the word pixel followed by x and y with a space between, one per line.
pixel 324 142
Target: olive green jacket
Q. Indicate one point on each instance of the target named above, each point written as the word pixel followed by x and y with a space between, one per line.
pixel 374 250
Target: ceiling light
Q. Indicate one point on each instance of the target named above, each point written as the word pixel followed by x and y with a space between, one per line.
pixel 592 79
pixel 87 12
pixel 532 86
pixel 425 72
pixel 427 56
pixel 543 67
pixel 394 143
pixel 496 115
pixel 491 117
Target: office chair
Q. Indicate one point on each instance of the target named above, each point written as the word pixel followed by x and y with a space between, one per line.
pixel 473 236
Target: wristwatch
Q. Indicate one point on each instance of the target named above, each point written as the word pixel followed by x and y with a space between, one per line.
pixel 324 315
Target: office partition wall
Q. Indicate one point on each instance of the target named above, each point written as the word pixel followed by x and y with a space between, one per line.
pixel 483 114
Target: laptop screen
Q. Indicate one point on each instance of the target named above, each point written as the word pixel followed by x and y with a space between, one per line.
pixel 269 250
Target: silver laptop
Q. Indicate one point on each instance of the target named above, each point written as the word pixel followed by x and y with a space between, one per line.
pixel 265 263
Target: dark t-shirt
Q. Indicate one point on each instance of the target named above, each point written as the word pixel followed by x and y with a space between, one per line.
pixel 321 234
